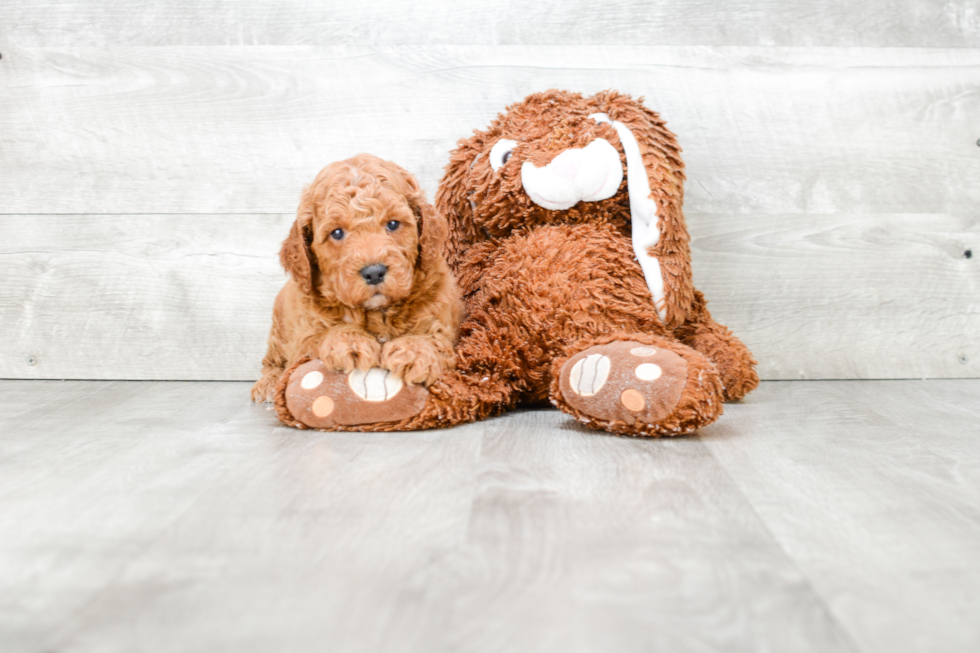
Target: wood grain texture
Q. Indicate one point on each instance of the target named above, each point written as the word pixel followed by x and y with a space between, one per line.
pixel 873 489
pixel 831 191
pixel 823 516
pixel 845 296
pixel 241 129
pixel 138 297
pixel 579 541
pixel 190 297
pixel 493 22
pixel 132 458
pixel 176 516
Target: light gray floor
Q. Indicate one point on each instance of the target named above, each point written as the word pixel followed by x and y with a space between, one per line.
pixel 816 516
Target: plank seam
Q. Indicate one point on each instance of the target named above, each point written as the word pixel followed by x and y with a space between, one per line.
pixel 846 636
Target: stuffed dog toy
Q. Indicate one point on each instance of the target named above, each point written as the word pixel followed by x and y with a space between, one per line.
pixel 369 292
pixel 567 234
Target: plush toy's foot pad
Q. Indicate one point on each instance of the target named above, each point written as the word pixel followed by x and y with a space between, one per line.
pixel 321 398
pixel 624 381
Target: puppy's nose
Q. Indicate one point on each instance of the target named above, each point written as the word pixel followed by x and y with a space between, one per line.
pixel 374 274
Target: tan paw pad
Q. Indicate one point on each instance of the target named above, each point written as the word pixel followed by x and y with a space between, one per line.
pixel 321 398
pixel 643 351
pixel 322 406
pixel 633 400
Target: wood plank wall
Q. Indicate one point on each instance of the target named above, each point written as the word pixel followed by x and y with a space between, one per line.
pixel 151 158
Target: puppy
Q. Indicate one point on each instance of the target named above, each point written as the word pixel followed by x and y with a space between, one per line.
pixel 368 285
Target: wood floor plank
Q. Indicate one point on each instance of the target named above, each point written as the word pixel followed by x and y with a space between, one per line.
pixel 430 22
pixel 91 129
pixel 81 512
pixel 40 408
pixel 816 516
pixel 873 489
pixel 190 297
pixel 324 541
pixel 23 402
pixel 93 480
pixel 583 542
pixel 138 297
pixel 183 519
pixel 845 296
pixel 828 248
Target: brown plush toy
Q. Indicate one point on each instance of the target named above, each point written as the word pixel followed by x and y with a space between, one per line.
pixel 568 238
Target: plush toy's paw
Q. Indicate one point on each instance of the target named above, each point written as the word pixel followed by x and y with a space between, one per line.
pixel 637 389
pixel 317 397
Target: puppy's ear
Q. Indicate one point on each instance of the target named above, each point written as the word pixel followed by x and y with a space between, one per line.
pixel 432 231
pixel 296 256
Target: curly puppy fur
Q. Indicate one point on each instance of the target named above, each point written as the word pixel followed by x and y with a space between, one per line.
pixel 358 214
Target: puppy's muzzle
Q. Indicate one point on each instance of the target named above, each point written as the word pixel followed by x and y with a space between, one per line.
pixel 374 274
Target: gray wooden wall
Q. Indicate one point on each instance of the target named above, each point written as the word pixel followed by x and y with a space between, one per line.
pixel 152 155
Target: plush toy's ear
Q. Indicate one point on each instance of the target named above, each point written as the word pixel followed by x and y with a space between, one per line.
pixel 663 170
pixel 296 256
pixel 454 202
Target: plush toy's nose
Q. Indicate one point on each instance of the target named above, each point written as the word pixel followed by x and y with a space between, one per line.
pixel 587 174
pixel 374 274
pixel 568 164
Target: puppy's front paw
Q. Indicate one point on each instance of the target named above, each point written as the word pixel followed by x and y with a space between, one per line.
pixel 349 350
pixel 264 389
pixel 415 359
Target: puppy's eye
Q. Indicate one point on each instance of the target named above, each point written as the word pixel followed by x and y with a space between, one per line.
pixel 337 234
pixel 392 225
pixel 500 153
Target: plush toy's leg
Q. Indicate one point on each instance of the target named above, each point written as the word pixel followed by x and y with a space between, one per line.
pixel 637 384
pixel 310 396
pixel 735 363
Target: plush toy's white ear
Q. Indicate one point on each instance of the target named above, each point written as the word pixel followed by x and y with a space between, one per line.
pixel 643 213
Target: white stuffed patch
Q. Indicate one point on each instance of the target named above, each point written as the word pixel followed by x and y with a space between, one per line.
pixel 594 173
pixel 374 384
pixel 576 175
